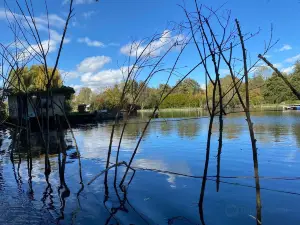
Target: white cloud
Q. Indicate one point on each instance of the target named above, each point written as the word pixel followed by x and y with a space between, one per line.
pixel 159 45
pixel 90 43
pixel 285 48
pixel 91 76
pixel 288 70
pixel 69 75
pixel 31 51
pixel 48 45
pixel 88 14
pixel 79 2
pixel 41 21
pixel 278 65
pixel 76 87
pixel 27 52
pixel 92 64
pixel 178 167
pixel 103 79
pixel 57 37
pixel 293 59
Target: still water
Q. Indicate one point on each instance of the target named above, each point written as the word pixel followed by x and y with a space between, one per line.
pixel 172 143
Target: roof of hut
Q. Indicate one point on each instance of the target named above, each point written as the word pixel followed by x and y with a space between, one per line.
pixel 64 90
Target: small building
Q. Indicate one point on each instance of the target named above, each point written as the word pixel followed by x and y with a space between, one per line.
pixel 34 104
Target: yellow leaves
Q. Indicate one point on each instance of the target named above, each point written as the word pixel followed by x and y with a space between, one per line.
pixel 34 78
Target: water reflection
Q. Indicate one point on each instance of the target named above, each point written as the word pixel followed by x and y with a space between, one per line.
pixel 188 128
pixel 231 131
pixel 150 196
pixel 277 131
pixel 296 133
pixel 159 165
pixel 166 128
pixel 175 113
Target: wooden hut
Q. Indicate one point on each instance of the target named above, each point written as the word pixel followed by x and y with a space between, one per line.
pixel 30 105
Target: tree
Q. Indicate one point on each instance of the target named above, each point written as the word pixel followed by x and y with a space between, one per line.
pixel 255 89
pixel 33 79
pixel 144 95
pixel 19 79
pixel 275 90
pixel 295 80
pixel 97 102
pixel 188 86
pixel 164 87
pixel 112 97
pixel 109 99
pixel 131 91
pixel 84 96
pixel 282 76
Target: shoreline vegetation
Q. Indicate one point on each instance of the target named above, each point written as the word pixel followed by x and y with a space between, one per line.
pixel 254 107
pixel 266 90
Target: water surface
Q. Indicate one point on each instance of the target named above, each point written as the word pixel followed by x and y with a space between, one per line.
pixel 176 143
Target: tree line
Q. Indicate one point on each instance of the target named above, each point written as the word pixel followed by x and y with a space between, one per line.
pixel 265 88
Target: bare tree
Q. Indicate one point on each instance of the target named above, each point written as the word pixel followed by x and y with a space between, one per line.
pixel 223 45
pixel 28 41
pixel 146 58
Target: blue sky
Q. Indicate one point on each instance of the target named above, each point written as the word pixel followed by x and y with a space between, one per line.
pixel 99 30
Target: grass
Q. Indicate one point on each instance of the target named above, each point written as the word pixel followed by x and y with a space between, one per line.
pixel 263 106
pixel 173 109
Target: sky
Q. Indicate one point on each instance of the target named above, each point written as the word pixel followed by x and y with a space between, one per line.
pixel 96 44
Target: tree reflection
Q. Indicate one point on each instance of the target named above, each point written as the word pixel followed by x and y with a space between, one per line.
pixel 188 128
pixel 232 130
pixel 278 130
pixel 261 133
pixel 166 128
pixel 133 130
pixel 296 133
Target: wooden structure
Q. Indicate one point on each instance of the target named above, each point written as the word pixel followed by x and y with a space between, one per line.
pixel 32 106
pixel 22 106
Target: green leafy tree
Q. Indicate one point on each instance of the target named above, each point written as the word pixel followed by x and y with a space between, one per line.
pixel 112 97
pixel 188 86
pixel 33 79
pixel 255 89
pixel 84 96
pixel 295 80
pixel 275 90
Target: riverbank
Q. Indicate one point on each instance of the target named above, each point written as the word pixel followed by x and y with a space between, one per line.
pixel 254 107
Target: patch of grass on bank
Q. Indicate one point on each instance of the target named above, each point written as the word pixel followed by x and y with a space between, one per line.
pixel 262 107
pixel 173 109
